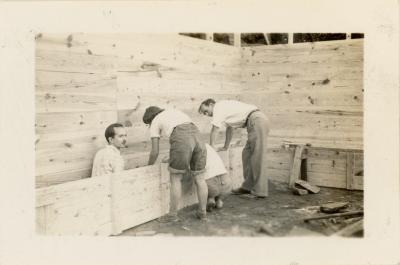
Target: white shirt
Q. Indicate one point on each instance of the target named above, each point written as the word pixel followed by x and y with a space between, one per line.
pixel 231 113
pixel 165 122
pixel 214 164
pixel 107 161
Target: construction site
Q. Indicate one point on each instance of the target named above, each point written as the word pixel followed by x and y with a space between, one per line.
pixel 311 89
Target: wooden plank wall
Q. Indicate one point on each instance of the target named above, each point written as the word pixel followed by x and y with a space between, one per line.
pixel 312 93
pixel 107 205
pixel 85 82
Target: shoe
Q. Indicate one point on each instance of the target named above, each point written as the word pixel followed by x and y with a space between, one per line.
pixel 219 204
pixel 210 207
pixel 252 196
pixel 169 218
pixel 210 204
pixel 202 216
pixel 239 191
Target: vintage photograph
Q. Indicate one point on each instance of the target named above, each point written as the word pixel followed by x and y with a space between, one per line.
pixel 199 134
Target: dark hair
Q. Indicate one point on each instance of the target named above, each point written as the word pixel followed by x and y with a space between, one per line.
pixel 110 130
pixel 150 113
pixel 206 102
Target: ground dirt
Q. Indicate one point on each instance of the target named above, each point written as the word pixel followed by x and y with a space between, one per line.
pixel 281 213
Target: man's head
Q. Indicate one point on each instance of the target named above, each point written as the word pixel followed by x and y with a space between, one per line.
pixel 151 113
pixel 207 107
pixel 116 135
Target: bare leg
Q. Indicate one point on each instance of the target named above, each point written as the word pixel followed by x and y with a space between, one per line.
pixel 175 194
pixel 202 192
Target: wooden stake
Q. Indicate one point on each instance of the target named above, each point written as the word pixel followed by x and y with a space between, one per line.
pixel 237 41
pixel 267 38
pixel 210 36
pixel 290 38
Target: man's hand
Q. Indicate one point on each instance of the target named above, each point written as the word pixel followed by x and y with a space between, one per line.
pixel 222 148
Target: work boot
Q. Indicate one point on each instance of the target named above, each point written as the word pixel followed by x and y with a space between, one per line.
pixel 239 191
pixel 169 218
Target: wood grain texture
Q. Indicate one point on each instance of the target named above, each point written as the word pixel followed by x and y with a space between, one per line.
pixel 84 82
pixel 312 92
pixel 107 205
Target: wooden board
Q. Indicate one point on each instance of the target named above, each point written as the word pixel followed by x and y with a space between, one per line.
pixel 74 208
pixel 107 205
pixel 86 81
pixel 312 92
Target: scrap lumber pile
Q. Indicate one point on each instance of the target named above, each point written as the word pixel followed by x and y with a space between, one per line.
pixel 337 217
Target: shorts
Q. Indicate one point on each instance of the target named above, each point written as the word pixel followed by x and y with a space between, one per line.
pixel 187 150
pixel 219 185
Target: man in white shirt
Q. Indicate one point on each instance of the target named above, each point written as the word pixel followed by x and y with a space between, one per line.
pixel 187 153
pixel 108 160
pixel 234 114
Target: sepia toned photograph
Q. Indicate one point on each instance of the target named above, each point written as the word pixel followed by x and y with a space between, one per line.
pixel 199 134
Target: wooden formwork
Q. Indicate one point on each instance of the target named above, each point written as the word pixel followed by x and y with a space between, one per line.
pixel 311 92
pixel 109 204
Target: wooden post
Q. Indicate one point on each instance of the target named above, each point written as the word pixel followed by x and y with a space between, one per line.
pixel 210 36
pixel 349 170
pixel 267 38
pixel 290 38
pixel 296 165
pixel 237 41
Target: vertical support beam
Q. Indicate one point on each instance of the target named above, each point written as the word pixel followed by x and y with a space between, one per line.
pixel 290 38
pixel 237 41
pixel 210 36
pixel 348 36
pixel 349 170
pixel 267 38
pixel 296 165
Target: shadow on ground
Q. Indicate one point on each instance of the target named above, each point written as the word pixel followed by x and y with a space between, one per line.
pixel 280 214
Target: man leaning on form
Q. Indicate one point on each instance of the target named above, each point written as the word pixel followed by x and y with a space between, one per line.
pixel 235 114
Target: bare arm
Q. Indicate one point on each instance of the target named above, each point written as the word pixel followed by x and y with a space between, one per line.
pixel 228 137
pixel 155 143
pixel 213 135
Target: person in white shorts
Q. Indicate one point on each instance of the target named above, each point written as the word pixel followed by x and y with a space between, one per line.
pixel 218 181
